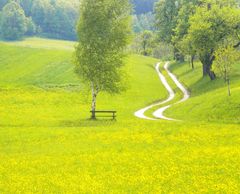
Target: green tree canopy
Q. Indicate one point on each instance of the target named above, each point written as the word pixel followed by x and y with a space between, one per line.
pixel 147 42
pixel 166 12
pixel 143 6
pixel 103 29
pixel 13 21
pixel 213 23
pixel 58 18
pixel 188 9
pixel 226 57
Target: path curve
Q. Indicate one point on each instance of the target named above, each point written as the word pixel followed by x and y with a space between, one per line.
pixel 141 113
pixel 159 113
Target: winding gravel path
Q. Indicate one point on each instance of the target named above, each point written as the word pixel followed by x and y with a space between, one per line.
pixel 141 113
pixel 159 113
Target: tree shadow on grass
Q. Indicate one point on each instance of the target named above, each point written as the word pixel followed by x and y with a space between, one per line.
pixel 189 71
pixel 205 85
pixel 152 66
pixel 88 123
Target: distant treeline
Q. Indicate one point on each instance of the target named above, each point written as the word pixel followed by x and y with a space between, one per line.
pixel 54 18
pixel 143 22
pixel 143 6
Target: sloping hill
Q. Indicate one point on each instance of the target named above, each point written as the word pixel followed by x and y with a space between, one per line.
pixel 22 65
pixel 209 100
pixel 48 145
pixel 51 68
pixel 49 64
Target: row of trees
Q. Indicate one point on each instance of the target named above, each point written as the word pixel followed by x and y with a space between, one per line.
pixel 199 28
pixel 56 18
pixel 143 6
pixel 147 43
pixel 51 18
pixel 143 22
pixel 13 22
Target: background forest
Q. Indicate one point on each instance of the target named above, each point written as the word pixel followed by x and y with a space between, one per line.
pixel 56 18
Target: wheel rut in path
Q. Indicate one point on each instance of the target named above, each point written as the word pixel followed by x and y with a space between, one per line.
pixel 159 114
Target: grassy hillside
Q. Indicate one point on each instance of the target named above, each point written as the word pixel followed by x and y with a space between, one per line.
pixel 53 70
pixel 209 99
pixel 47 145
pixel 49 44
pixel 26 66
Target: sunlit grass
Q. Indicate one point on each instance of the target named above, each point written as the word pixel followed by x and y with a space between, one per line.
pixel 49 44
pixel 48 145
pixel 209 100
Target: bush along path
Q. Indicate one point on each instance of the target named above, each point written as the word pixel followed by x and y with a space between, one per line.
pixel 159 114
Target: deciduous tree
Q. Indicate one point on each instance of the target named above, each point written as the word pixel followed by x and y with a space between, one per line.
pixel 226 57
pixel 13 21
pixel 103 30
pixel 213 23
pixel 166 12
pixel 188 8
pixel 147 40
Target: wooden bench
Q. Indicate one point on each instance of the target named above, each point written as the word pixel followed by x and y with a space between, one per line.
pixel 103 113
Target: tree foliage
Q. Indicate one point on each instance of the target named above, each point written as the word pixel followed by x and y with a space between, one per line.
pixel 13 22
pixel 212 24
pixel 58 18
pixel 198 27
pixel 51 18
pixel 166 12
pixel 103 30
pixel 226 57
pixel 143 22
pixel 143 6
pixel 181 42
pixel 147 42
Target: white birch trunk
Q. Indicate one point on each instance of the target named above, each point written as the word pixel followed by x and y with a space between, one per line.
pixel 94 100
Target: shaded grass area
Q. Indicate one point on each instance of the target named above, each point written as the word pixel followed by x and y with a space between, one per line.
pixel 48 145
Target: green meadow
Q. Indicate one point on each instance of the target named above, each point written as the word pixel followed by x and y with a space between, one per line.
pixel 49 145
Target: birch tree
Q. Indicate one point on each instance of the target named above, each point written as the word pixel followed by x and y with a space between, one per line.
pixel 103 30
